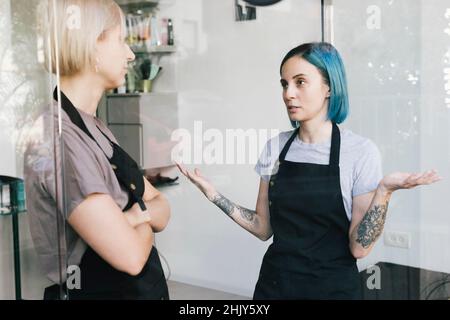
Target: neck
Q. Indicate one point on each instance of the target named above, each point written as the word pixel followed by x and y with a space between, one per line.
pixel 315 130
pixel 84 91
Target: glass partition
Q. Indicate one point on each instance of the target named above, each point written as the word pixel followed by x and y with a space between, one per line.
pixel 397 56
pixel 32 241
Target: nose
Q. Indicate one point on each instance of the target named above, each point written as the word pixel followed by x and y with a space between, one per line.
pixel 130 54
pixel 289 93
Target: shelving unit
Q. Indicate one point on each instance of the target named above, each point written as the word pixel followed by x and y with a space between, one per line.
pixel 134 5
pixel 143 122
pixel 156 49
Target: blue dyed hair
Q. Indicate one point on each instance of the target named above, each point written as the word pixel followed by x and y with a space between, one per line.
pixel 327 60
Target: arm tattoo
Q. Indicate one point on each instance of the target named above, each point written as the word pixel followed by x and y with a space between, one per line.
pixel 247 214
pixel 223 203
pixel 371 225
pixel 228 207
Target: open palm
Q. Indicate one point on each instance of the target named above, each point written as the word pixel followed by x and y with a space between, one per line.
pixel 200 181
pixel 404 180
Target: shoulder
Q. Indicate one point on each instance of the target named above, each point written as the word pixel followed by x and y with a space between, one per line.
pixel 279 140
pixel 356 144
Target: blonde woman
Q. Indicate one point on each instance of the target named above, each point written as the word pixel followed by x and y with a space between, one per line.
pixel 112 211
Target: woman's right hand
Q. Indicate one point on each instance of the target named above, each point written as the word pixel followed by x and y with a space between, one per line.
pixel 201 182
pixel 135 216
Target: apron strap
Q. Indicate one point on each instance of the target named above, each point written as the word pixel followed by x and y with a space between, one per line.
pixel 75 117
pixel 287 146
pixel 71 111
pixel 334 150
pixel 335 146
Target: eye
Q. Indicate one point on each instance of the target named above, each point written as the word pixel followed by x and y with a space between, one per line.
pixel 284 84
pixel 300 82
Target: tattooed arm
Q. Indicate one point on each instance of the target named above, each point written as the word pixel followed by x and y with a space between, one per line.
pixel 367 224
pixel 257 221
pixel 369 210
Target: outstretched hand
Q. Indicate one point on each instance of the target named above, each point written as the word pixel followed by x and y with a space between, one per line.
pixel 403 180
pixel 200 181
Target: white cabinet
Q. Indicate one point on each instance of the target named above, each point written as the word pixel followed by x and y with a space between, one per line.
pixel 143 125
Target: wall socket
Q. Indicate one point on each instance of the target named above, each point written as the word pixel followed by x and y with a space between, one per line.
pixel 397 239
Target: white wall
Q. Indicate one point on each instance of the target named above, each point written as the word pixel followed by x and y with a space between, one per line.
pixel 227 76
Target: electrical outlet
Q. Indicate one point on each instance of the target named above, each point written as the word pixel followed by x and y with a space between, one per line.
pixel 397 239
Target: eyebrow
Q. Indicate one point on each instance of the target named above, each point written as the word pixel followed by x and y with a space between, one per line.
pixel 296 76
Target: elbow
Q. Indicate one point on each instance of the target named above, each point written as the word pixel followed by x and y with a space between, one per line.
pixel 264 232
pixel 135 260
pixel 165 212
pixel 134 269
pixel 136 264
pixel 359 253
pixel 264 236
pixel 168 214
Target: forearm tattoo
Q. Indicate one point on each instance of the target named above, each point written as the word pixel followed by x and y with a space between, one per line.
pixel 223 203
pixel 228 207
pixel 371 225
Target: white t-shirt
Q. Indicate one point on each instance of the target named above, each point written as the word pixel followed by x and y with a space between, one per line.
pixel 360 161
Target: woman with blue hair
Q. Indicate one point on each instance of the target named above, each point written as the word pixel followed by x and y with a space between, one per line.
pixel 321 195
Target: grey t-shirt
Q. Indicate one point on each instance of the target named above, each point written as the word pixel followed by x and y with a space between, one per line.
pixel 359 161
pixel 86 171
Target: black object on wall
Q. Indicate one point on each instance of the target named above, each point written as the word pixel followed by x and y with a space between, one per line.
pixel 261 3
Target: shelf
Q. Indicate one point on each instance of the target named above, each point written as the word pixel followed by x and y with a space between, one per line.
pixel 137 94
pixel 6 213
pixel 140 94
pixel 156 49
pixel 132 5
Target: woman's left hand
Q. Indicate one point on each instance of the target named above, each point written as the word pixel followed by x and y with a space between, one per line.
pixel 403 180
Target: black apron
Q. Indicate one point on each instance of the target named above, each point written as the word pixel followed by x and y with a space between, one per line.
pixel 310 256
pixel 99 280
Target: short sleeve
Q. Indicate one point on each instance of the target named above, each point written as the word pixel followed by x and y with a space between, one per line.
pixel 367 172
pixel 82 173
pixel 266 165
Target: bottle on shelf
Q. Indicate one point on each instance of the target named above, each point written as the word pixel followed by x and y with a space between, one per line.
pixel 164 32
pixel 155 34
pixel 170 40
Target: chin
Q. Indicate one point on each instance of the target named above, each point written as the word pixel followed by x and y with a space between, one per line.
pixel 117 83
pixel 296 119
pixel 121 82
